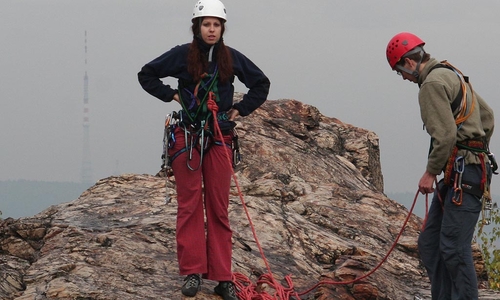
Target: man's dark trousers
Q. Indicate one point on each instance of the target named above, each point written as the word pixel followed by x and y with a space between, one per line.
pixel 445 243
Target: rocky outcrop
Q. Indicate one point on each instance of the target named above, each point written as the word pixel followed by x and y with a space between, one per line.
pixel 313 189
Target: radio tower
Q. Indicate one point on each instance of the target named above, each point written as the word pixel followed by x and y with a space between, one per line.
pixel 86 172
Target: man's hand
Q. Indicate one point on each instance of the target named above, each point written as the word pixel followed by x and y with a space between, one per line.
pixel 426 183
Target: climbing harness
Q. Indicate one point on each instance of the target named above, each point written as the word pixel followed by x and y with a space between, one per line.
pixel 197 108
pixel 460 186
pixel 196 121
pixel 462 108
pixel 461 101
pixel 196 139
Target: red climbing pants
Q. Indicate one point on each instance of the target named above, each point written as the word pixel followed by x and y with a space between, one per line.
pixel 203 231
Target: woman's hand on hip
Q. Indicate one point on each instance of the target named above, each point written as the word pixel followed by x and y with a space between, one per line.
pixel 232 114
pixel 176 98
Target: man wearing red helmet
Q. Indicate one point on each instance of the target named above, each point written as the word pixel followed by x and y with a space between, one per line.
pixel 460 124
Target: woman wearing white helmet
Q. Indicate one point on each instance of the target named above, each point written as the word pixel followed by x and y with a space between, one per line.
pixel 205 69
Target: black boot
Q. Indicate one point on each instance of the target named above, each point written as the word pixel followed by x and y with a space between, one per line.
pixel 227 290
pixel 191 285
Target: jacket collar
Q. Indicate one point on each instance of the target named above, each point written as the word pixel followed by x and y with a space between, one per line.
pixel 425 71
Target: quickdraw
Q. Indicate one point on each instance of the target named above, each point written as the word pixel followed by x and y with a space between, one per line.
pixel 236 149
pixel 166 168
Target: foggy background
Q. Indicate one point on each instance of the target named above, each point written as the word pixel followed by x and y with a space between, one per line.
pixel 326 53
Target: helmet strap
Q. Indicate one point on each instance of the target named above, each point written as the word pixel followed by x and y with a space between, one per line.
pixel 416 72
pixel 421 51
pixel 406 70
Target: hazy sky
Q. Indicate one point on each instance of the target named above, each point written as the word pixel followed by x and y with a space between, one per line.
pixel 327 53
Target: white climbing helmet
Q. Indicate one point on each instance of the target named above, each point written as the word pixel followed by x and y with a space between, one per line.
pixel 209 8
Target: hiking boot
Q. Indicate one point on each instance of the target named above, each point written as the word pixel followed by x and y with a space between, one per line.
pixel 191 285
pixel 226 290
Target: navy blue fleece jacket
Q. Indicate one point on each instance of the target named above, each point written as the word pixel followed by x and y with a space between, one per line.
pixel 173 63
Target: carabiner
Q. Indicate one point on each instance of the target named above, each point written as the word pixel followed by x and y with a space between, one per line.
pixel 459 164
pixel 200 138
pixel 457 185
pixel 457 196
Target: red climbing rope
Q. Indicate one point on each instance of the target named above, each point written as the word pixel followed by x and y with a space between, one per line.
pixel 380 263
pixel 246 290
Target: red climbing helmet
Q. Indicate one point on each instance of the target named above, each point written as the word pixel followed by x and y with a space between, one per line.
pixel 401 44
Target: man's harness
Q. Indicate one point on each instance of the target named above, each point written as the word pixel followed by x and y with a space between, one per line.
pixel 455 166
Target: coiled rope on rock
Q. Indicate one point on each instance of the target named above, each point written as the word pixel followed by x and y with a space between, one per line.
pixel 246 289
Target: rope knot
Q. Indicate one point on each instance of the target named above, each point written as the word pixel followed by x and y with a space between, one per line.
pixel 211 104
